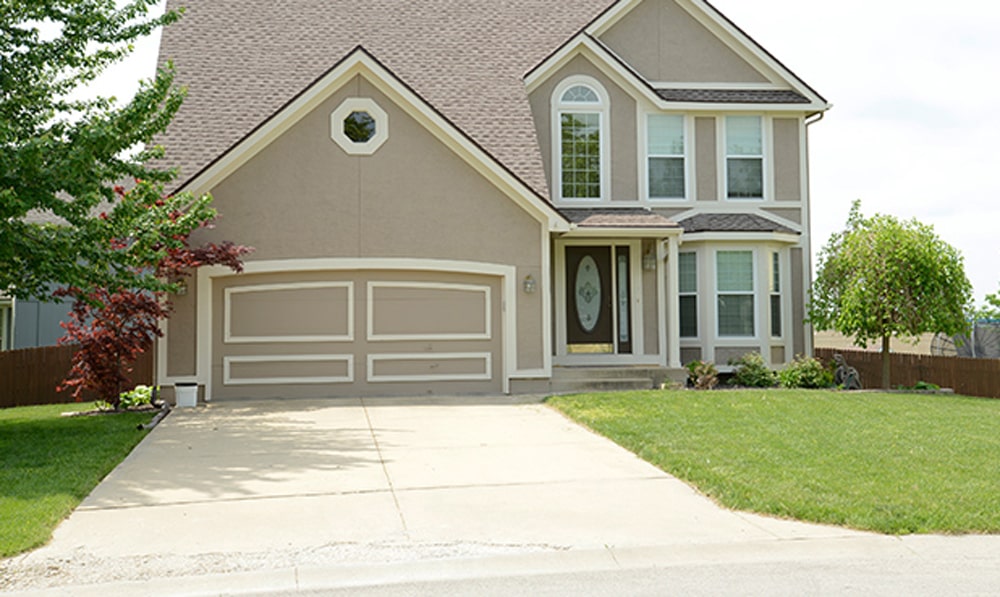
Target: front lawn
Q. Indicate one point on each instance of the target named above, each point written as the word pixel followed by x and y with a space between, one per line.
pixel 49 463
pixel 892 463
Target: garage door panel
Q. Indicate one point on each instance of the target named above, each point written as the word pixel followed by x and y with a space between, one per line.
pixel 430 367
pixel 303 312
pixel 419 310
pixel 287 369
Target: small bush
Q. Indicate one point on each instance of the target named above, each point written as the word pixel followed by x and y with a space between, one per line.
pixel 702 375
pixel 140 396
pixel 752 372
pixel 805 372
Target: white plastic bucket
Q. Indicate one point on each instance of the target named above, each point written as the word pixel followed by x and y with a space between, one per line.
pixel 186 394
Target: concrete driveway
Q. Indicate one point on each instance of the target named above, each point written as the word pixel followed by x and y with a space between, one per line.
pixel 268 491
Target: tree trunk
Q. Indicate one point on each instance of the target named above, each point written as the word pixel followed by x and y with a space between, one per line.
pixel 886 362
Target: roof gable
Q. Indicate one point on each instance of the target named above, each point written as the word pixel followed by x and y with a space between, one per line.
pixel 360 62
pixel 627 38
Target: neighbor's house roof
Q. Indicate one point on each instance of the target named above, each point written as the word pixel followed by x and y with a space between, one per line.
pixel 244 60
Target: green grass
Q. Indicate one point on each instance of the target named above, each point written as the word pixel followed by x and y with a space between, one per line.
pixel 49 463
pixel 892 463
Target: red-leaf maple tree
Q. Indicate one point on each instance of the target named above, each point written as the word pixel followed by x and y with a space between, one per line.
pixel 113 326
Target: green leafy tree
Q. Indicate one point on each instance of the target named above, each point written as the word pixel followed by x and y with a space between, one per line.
pixel 61 157
pixel 882 277
pixel 991 308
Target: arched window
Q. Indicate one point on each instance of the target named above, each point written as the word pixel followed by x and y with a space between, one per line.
pixel 580 117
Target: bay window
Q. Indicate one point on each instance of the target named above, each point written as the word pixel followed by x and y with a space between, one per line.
pixel 735 293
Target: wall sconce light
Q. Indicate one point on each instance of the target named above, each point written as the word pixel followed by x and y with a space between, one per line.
pixel 649 260
pixel 529 284
pixel 182 287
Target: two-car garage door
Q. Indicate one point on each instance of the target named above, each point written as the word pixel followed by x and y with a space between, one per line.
pixel 356 333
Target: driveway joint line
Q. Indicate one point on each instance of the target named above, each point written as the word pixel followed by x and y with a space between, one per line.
pixel 385 469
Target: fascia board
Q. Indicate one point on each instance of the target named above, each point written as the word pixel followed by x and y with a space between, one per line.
pixel 360 62
pixel 599 232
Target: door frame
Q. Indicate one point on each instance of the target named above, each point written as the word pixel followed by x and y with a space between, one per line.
pixel 638 355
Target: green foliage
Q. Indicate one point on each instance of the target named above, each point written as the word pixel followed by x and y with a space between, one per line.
pixel 891 463
pixel 805 372
pixel 60 157
pixel 140 395
pixel 703 375
pixel 882 277
pixel 990 308
pixel 752 372
pixel 49 463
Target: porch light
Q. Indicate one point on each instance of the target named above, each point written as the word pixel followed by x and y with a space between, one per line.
pixel 529 284
pixel 649 260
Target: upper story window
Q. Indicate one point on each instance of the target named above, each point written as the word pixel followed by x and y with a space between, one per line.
pixel 581 156
pixel 744 157
pixel 665 152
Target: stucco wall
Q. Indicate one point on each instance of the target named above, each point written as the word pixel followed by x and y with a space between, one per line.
pixel 304 197
pixel 665 43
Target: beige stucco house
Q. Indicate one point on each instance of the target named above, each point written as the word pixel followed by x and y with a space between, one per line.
pixel 451 197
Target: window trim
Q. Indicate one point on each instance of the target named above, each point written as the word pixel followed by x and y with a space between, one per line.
pixel 716 293
pixel 765 162
pixel 687 123
pixel 690 293
pixel 603 109
pixel 359 104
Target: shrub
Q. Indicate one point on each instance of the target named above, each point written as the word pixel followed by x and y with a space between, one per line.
pixel 702 375
pixel 805 372
pixel 140 396
pixel 752 372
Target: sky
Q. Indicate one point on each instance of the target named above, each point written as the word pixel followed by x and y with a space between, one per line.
pixel 913 131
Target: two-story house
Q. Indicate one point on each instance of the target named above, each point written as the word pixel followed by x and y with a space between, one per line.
pixel 451 197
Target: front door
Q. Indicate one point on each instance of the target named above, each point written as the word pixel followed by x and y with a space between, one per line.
pixel 598 319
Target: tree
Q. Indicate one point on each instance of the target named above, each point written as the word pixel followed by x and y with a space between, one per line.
pixel 990 308
pixel 881 278
pixel 113 326
pixel 61 157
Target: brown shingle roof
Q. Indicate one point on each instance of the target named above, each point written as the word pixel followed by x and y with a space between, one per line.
pixel 636 217
pixel 732 223
pixel 242 60
pixel 733 96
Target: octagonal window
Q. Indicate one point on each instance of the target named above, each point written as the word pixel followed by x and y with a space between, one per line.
pixel 359 126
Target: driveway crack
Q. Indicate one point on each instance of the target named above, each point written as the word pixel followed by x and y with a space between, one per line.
pixel 385 470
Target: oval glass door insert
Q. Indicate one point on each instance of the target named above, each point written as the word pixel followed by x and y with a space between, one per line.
pixel 588 293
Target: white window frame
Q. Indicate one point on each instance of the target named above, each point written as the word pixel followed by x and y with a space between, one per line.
pixel 765 162
pixel 603 109
pixel 359 104
pixel 688 128
pixel 775 282
pixel 691 293
pixel 716 293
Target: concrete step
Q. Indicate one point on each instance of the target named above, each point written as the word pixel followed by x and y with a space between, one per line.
pixel 616 384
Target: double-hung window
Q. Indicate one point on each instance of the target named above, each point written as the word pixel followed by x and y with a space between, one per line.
pixel 687 264
pixel 6 319
pixel 735 293
pixel 665 155
pixel 744 157
pixel 581 111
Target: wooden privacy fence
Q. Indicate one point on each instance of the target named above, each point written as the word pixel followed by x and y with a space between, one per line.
pixel 30 376
pixel 971 377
